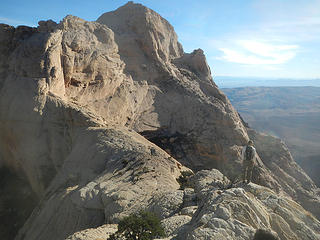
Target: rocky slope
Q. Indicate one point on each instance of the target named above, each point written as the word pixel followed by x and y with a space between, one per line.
pixel 99 119
pixel 213 209
pixel 291 113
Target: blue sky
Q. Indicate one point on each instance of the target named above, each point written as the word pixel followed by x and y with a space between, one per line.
pixel 255 38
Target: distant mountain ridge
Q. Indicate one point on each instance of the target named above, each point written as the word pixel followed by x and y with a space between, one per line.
pixel 235 82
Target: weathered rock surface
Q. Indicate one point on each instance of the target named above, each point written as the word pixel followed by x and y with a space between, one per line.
pixel 109 174
pixel 185 100
pixel 237 212
pixel 95 115
pixel 100 233
pixel 287 172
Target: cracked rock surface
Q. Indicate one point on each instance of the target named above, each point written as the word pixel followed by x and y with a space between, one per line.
pixel 100 120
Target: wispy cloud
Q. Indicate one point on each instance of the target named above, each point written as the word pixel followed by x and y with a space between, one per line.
pixel 254 52
pixel 299 30
pixel 289 20
pixel 267 38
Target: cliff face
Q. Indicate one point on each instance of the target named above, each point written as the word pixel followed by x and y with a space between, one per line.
pixel 100 117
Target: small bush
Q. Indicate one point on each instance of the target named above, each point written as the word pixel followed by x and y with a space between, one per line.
pixel 142 226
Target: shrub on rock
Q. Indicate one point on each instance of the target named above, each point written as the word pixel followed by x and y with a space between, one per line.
pixel 141 226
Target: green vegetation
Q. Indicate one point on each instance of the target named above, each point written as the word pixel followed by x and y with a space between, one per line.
pixel 141 226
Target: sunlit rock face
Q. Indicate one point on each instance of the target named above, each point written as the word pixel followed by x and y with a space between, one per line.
pixel 99 119
pixel 212 208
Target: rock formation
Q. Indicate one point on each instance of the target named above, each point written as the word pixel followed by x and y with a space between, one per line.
pixel 100 119
pixel 213 209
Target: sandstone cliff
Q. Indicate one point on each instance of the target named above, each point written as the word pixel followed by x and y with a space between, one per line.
pixel 99 118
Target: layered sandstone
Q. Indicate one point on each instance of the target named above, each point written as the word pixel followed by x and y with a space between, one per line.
pixel 100 117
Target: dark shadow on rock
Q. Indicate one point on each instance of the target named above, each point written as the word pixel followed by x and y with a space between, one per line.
pixel 262 234
pixel 17 200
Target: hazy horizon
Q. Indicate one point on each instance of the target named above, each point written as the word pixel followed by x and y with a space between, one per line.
pixel 236 82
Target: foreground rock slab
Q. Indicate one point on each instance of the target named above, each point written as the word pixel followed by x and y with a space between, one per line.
pixel 227 211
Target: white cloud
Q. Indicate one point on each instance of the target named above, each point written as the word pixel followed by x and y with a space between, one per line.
pixel 254 52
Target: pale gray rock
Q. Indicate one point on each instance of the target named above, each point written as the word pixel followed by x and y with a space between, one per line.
pixel 209 178
pixel 236 213
pixel 68 155
pixel 154 36
pixel 120 178
pixel 100 233
pixel 189 211
pixel 287 172
pixel 80 105
pixel 189 198
pixel 222 212
pixel 167 204
pixel 196 61
pixel 178 92
pixel 174 224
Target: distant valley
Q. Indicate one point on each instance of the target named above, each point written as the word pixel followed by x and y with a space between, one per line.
pixel 290 113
